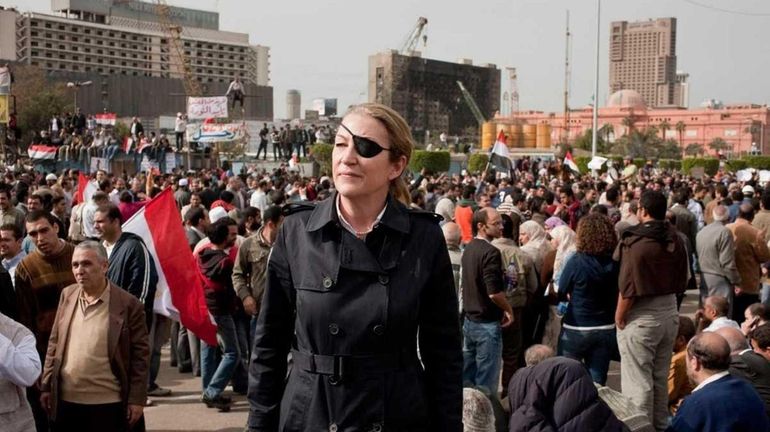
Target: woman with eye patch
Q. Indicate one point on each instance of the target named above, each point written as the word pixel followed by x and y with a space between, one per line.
pixel 360 293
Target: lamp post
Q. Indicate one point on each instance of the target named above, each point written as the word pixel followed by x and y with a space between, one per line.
pixel 595 124
pixel 76 85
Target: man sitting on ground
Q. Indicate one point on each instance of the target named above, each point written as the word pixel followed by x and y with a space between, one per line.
pixel 748 365
pixel 713 316
pixel 678 383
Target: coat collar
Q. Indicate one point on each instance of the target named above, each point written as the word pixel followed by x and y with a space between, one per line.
pixel 396 215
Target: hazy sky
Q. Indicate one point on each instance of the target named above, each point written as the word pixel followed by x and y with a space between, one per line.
pixel 321 47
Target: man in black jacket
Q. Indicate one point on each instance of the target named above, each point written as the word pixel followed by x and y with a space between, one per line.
pixel 747 364
pixel 132 268
pixel 486 308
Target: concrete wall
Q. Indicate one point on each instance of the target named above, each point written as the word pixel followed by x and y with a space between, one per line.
pixel 8 35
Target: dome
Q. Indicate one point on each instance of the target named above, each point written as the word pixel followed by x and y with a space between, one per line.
pixel 627 99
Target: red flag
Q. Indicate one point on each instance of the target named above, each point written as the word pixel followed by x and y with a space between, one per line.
pixel 180 290
pixel 127 144
pixel 86 189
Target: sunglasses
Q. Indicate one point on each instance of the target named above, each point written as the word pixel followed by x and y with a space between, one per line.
pixel 365 147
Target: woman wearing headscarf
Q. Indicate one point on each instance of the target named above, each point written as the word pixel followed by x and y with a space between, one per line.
pixel 563 242
pixel 534 243
pixel 355 283
pixel 590 280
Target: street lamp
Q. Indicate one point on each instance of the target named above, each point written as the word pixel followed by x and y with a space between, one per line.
pixel 76 85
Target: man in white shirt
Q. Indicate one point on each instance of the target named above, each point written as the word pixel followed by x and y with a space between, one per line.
pixel 259 197
pixel 98 199
pixel 19 368
pixel 714 313
pixel 10 248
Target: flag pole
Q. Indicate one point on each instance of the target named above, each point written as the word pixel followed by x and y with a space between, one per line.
pixel 595 126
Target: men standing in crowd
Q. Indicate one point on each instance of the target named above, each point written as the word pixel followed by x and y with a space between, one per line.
pixel 719 402
pixel 40 278
pixel 216 267
pixel 258 199
pixel 750 253
pixel 250 268
pixel 132 268
pixel 196 224
pixel 263 136
pixel 8 213
pixel 10 248
pixel 686 222
pixel 452 238
pixel 520 283
pixel 716 256
pixel 653 269
pixel 19 368
pixel 95 372
pixel 486 309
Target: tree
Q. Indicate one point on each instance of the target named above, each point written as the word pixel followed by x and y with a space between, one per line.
pixel 718 144
pixel 670 149
pixel 629 123
pixel 585 142
pixel 606 130
pixel 694 149
pixel 680 128
pixel 664 127
pixel 37 99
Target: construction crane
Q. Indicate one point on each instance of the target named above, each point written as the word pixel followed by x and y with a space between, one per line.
pixel 192 87
pixel 472 104
pixel 414 37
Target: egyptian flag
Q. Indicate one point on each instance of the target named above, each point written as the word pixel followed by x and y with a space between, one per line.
pixel 86 189
pixel 179 292
pixel 143 144
pixel 500 157
pixel 42 152
pixel 127 144
pixel 570 163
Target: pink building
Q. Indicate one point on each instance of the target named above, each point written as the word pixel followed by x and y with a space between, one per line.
pixel 732 123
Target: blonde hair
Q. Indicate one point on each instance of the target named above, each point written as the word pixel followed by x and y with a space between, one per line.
pixel 401 141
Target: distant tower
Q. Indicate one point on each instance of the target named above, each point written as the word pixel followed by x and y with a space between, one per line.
pixel 293 104
pixel 514 86
pixel 682 90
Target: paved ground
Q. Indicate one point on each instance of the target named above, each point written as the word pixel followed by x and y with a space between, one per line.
pixel 183 411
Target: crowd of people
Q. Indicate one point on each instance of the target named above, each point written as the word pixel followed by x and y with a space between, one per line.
pixel 430 301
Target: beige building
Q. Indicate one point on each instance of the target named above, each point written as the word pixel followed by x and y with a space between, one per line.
pixel 643 59
pixel 126 38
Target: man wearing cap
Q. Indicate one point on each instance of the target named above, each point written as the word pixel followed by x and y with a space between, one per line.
pixel 50 179
pixel 182 194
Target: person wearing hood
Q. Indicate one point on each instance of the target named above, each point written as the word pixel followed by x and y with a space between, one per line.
pixel 590 281
pixel 653 269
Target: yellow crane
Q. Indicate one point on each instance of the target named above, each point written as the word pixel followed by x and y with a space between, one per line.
pixel 192 87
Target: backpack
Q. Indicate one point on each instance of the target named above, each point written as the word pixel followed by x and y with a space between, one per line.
pixel 514 279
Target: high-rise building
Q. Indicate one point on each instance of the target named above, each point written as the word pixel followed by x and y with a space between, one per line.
pixel 682 90
pixel 643 59
pixel 110 38
pixel 426 93
pixel 293 104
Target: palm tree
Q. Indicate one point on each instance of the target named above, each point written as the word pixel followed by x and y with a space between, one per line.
pixel 628 123
pixel 606 130
pixel 693 149
pixel 718 144
pixel 680 128
pixel 664 127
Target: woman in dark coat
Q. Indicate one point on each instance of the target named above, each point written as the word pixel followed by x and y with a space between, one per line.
pixel 354 283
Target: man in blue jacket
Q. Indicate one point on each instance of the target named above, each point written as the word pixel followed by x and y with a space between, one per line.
pixel 720 402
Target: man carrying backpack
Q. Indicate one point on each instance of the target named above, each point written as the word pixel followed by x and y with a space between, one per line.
pixel 520 281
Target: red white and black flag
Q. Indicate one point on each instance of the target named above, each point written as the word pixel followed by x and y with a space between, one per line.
pixel 500 157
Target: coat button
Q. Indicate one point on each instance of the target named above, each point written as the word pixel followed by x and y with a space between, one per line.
pixel 333 427
pixel 377 427
pixel 384 279
pixel 334 329
pixel 327 283
pixel 379 329
pixel 333 380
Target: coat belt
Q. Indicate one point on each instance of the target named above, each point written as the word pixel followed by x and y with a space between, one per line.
pixel 342 366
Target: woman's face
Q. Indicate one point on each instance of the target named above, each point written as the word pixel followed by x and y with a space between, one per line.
pixel 354 175
pixel 523 238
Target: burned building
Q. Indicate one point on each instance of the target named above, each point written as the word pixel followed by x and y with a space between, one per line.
pixel 426 93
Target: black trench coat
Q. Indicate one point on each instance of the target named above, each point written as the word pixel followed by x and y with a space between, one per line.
pixel 351 319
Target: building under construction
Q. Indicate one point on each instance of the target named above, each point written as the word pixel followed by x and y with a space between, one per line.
pixel 426 92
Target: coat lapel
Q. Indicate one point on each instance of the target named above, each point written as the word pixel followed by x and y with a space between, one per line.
pixel 68 310
pixel 117 317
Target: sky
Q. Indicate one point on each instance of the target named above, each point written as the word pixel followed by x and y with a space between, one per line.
pixel 321 47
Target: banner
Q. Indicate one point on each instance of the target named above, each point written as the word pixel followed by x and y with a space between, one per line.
pixel 4 112
pixel 106 119
pixel 207 107
pixel 99 164
pixel 42 152
pixel 5 81
pixel 216 132
pixel 170 162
